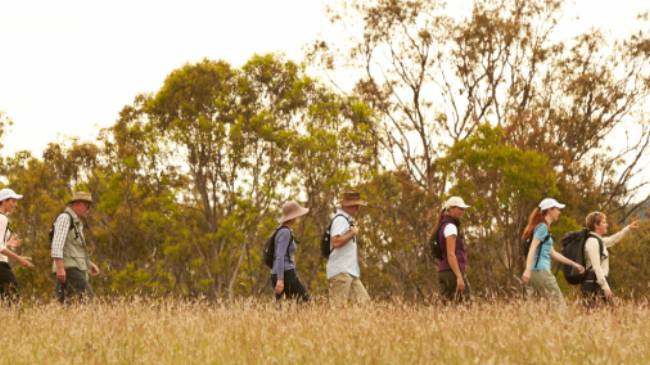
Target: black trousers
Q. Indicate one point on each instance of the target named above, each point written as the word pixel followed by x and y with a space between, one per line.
pixel 75 288
pixel 293 288
pixel 592 294
pixel 8 284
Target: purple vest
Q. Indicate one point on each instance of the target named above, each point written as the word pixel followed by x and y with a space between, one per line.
pixel 461 256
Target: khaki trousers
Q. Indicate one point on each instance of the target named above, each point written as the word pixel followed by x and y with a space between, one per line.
pixel 544 285
pixel 344 288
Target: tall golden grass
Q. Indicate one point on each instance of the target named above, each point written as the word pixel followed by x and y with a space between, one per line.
pixel 257 332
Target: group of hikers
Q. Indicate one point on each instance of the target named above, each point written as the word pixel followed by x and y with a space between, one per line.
pixel 71 265
pixel 588 265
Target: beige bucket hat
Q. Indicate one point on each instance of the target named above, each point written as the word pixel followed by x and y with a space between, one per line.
pixel 292 210
pixel 81 196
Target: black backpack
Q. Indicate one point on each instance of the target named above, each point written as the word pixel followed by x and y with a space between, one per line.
pixel 269 248
pixel 436 247
pixel 525 247
pixel 573 248
pixel 325 242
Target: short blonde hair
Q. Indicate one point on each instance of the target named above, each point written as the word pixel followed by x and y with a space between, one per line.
pixel 594 219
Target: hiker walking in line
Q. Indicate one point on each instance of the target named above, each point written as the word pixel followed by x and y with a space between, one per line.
pixel 538 274
pixel 595 289
pixel 343 271
pixel 9 240
pixel 452 254
pixel 284 278
pixel 71 263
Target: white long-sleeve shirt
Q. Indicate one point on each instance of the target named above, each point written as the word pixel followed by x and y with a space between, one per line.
pixel 593 259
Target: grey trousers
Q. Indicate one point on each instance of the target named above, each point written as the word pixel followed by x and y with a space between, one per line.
pixel 75 288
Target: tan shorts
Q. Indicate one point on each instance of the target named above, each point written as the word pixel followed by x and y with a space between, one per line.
pixel 344 288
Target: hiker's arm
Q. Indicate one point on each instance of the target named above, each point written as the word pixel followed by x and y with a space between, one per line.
pixel 282 240
pixel 94 269
pixel 593 252
pixel 23 261
pixel 341 240
pixel 561 258
pixel 534 244
pixel 61 228
pixel 616 238
pixel 6 251
pixel 341 232
pixel 451 256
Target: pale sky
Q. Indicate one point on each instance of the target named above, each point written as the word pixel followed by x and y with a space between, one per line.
pixel 68 66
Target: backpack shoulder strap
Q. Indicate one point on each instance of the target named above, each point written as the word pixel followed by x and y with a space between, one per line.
pixel 539 252
pixel 340 215
pixel 336 216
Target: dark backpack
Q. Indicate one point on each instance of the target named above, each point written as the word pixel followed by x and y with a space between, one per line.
pixel 326 240
pixel 72 226
pixel 525 247
pixel 269 248
pixel 434 244
pixel 573 248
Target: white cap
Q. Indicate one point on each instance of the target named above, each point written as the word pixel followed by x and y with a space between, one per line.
pixel 455 201
pixel 549 203
pixel 7 193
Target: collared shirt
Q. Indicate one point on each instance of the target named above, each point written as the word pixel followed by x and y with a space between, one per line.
pixel 593 260
pixel 61 229
pixel 4 231
pixel 343 259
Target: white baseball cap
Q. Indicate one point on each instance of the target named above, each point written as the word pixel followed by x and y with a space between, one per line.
pixel 7 193
pixel 455 201
pixel 549 203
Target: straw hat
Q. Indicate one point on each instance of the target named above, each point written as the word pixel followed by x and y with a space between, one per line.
pixel 81 196
pixel 292 210
pixel 350 199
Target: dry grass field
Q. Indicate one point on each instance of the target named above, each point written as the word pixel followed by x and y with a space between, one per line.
pixel 173 332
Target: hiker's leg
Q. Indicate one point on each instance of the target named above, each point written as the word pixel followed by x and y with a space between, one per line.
pixel 551 290
pixel 589 294
pixel 535 288
pixel 359 292
pixel 339 288
pixel 77 286
pixel 294 288
pixel 447 285
pixel 8 284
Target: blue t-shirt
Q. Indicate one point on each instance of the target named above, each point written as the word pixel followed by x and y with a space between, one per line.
pixel 544 264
